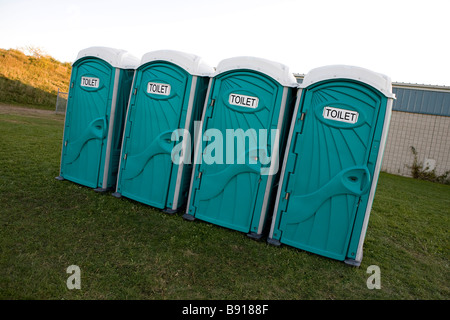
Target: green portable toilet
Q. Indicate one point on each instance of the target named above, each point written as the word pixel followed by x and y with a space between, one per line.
pixel 167 97
pixel 332 162
pixel 237 152
pixel 99 91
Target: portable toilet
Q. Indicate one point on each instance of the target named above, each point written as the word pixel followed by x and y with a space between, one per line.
pixel 167 97
pixel 98 95
pixel 237 152
pixel 332 162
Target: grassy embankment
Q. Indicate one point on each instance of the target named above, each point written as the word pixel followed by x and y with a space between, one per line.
pixel 32 80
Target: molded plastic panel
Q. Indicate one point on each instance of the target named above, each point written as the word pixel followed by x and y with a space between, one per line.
pixel 230 190
pixel 330 167
pixel 86 124
pixel 155 111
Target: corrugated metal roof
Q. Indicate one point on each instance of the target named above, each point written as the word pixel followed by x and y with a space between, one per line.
pixel 422 99
pixel 417 98
pixel 299 77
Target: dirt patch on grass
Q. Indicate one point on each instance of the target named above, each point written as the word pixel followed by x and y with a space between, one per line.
pixel 27 111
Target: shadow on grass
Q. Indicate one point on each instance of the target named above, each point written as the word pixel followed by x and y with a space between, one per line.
pixel 16 92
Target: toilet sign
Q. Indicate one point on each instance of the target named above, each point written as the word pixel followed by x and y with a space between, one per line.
pixel 341 115
pixel 243 101
pixel 90 82
pixel 158 88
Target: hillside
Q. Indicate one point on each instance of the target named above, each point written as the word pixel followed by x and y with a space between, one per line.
pixel 32 80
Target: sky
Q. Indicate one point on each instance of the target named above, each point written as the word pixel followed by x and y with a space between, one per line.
pixel 407 40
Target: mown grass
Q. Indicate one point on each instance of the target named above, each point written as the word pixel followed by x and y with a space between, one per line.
pixel 127 250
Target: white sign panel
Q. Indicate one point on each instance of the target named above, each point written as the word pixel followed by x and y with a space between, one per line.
pixel 243 101
pixel 90 82
pixel 341 115
pixel 158 88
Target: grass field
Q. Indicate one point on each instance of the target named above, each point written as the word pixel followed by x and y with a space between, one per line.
pixel 127 250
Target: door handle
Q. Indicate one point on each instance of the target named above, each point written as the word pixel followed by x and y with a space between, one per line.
pixel 96 129
pixel 356 179
pixel 162 144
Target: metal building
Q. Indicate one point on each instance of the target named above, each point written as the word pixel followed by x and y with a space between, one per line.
pixel 420 120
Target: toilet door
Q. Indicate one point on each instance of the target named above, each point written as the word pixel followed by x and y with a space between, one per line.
pixel 228 187
pixel 331 166
pixel 156 104
pixel 86 125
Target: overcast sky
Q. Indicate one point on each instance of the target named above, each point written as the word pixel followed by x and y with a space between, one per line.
pixel 408 40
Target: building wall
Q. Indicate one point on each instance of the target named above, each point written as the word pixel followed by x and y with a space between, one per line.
pixel 428 134
pixel 422 99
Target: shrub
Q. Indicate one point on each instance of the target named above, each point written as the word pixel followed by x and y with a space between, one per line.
pixel 419 172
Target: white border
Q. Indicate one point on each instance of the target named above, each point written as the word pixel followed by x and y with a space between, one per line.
pixel 198 144
pixel 376 173
pixel 119 172
pixel 376 80
pixel 184 142
pixel 283 168
pixel 193 64
pixel 116 57
pixel 279 72
pixel 112 116
pixel 275 152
